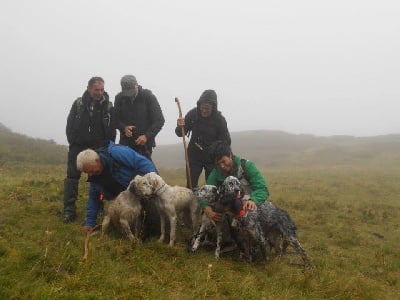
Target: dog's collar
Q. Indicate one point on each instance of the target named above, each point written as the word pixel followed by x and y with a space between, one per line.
pixel 157 191
pixel 242 212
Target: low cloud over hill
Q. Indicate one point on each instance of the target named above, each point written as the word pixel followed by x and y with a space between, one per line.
pixel 267 148
pixel 276 148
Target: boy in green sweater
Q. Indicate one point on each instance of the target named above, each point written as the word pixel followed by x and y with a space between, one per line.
pixel 227 164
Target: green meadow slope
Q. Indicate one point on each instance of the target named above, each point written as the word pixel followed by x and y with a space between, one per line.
pixel 15 147
pixel 342 192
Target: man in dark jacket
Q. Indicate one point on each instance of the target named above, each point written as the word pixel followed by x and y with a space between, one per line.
pixel 138 116
pixel 90 124
pixel 206 125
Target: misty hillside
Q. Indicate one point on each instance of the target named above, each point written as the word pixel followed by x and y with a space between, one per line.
pixel 267 148
pixel 17 147
pixel 280 149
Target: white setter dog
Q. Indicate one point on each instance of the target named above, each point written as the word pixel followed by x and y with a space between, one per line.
pixel 169 201
pixel 124 211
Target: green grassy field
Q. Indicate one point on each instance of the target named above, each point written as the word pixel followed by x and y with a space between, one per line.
pixel 348 220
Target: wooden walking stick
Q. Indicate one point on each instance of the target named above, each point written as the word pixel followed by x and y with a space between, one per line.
pixel 188 177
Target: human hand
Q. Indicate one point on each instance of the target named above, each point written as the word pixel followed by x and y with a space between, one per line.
pixel 128 130
pixel 141 140
pixel 249 204
pixel 180 122
pixel 212 215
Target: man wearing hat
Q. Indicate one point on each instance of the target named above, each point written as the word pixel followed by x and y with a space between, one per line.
pixel 138 116
pixel 206 125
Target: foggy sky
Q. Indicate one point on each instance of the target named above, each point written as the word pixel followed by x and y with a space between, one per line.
pixel 316 67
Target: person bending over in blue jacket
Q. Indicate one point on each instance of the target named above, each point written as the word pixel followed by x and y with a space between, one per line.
pixel 110 169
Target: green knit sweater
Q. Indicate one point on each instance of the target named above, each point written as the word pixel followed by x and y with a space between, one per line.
pixel 258 185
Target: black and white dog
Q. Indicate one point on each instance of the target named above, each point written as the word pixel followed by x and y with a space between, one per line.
pixel 225 235
pixel 267 223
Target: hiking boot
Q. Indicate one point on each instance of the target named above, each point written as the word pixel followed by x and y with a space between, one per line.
pixel 68 218
pixel 70 195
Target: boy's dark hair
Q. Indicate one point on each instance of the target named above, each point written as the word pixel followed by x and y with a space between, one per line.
pixel 219 149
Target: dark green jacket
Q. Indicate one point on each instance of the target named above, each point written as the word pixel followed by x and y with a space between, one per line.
pixel 259 189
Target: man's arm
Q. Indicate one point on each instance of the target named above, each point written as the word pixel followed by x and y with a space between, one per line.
pixel 223 131
pixel 188 123
pixel 155 115
pixel 70 123
pixel 259 188
pixel 118 114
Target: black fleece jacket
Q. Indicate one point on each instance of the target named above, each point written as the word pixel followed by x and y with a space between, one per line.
pixel 143 111
pixel 89 125
pixel 204 131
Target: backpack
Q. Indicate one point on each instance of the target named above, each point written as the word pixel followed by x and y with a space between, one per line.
pixel 80 107
pixel 105 110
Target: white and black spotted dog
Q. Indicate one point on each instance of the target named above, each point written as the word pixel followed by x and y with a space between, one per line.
pixel 225 234
pixel 169 201
pixel 264 223
pixel 124 212
pixel 208 192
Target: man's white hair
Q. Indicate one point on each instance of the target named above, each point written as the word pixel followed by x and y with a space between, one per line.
pixel 86 157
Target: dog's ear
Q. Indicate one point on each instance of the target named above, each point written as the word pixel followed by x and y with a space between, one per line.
pixel 237 205
pixel 136 179
pixel 155 180
pixel 241 192
pixel 221 190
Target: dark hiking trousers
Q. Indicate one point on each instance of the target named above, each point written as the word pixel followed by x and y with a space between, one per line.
pixel 71 184
pixel 196 167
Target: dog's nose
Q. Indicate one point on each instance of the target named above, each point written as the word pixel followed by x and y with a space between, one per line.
pixel 131 188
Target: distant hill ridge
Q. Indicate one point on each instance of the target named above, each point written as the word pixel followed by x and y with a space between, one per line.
pixel 277 148
pixel 15 147
pixel 265 147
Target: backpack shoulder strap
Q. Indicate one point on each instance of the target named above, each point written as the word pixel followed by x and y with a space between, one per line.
pixel 78 102
pixel 242 169
pixel 79 107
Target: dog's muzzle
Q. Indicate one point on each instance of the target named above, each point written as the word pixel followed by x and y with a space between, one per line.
pixel 233 201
